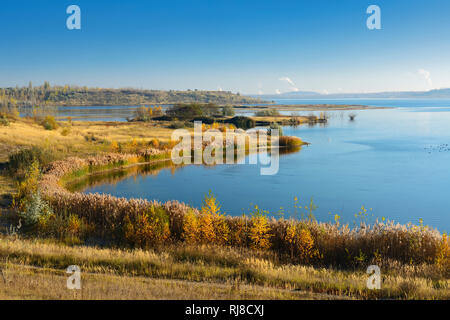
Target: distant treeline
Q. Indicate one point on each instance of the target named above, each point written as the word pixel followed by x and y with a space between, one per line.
pixel 47 95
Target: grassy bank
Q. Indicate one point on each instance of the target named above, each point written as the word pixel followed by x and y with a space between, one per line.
pixel 225 272
pixel 82 139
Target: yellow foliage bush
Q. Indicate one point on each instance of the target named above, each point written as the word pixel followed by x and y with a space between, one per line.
pixel 238 231
pixel 213 226
pixel 190 228
pixel 301 243
pixel 259 231
pixel 150 228
pixel 65 131
pixel 443 253
pixel 114 146
pixel 209 227
pixel 74 225
pixel 154 143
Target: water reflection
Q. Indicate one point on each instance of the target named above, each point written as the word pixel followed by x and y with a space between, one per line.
pixel 112 177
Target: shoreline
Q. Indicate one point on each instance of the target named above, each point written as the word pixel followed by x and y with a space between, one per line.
pixel 312 107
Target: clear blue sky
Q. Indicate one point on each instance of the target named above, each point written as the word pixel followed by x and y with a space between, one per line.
pixel 245 46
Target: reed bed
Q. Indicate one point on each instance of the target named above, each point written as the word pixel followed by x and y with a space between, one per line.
pixel 296 241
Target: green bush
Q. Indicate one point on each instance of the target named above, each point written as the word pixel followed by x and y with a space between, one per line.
pixel 242 122
pixel 193 110
pixel 35 209
pixel 275 126
pixel 267 113
pixel 228 111
pixel 204 120
pixel 177 125
pixel 4 120
pixel 23 159
pixel 185 111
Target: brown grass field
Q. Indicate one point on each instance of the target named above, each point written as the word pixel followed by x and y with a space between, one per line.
pixel 35 269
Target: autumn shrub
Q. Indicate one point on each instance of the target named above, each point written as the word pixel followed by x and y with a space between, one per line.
pixel 66 131
pixel 238 231
pixel 150 228
pixel 19 162
pixel 289 142
pixel 27 187
pixel 154 143
pixel 301 243
pixel 4 121
pixel 443 254
pixel 209 226
pixel 190 228
pixel 143 114
pixel 67 227
pixel 49 123
pixel 114 146
pixel 167 145
pixel 242 122
pixel 259 230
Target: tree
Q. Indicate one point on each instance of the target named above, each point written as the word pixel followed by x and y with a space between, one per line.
pixel 228 111
pixel 185 111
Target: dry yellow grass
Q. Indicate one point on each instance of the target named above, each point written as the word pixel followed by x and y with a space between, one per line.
pixel 24 282
pixel 122 131
pixel 35 269
pixel 25 133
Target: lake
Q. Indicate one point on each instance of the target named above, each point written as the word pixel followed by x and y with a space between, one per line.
pixel 392 161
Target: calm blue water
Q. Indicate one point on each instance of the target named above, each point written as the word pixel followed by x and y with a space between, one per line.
pixel 394 161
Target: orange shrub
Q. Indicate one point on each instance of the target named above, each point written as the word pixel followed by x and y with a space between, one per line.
pixel 114 146
pixel 154 143
pixel 443 253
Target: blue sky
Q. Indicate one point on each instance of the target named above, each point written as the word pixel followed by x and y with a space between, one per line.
pixel 243 46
